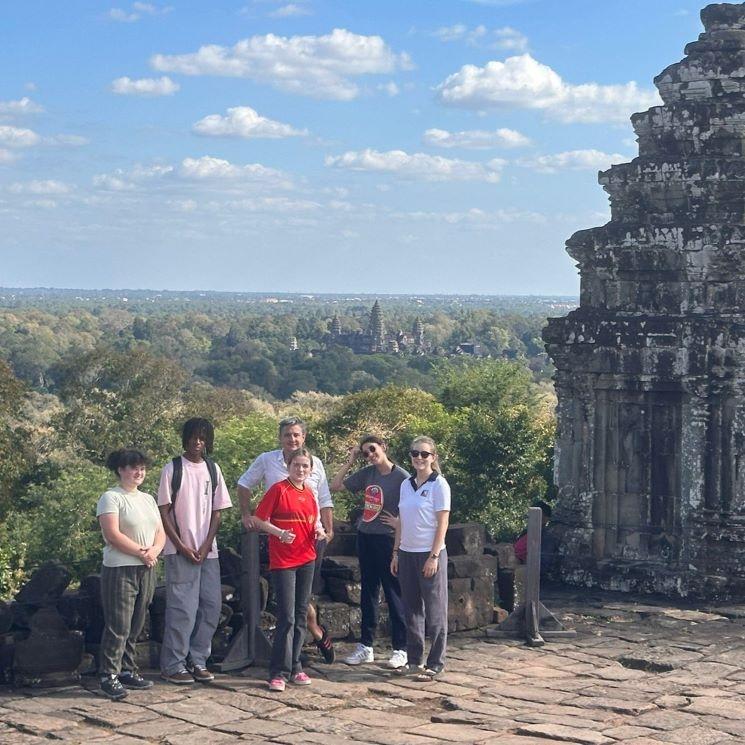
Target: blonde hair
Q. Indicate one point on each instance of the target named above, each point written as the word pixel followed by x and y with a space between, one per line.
pixel 435 457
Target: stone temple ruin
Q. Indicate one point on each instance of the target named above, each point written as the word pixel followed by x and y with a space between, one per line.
pixel 650 453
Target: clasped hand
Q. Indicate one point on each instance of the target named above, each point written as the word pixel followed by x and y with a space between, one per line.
pixel 286 536
pixel 149 556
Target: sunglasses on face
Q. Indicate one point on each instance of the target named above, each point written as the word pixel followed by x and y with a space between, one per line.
pixel 419 454
pixel 367 453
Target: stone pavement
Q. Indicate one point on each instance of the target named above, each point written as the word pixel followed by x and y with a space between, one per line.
pixel 637 673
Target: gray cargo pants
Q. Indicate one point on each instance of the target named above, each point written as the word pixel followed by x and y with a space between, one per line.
pixel 193 603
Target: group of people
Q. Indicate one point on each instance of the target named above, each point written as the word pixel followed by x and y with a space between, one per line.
pixel 400 543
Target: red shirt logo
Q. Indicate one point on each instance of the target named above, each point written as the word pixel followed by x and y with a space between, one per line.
pixel 373 503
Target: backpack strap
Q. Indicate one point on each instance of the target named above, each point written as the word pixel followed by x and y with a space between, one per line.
pixel 178 469
pixel 212 468
pixel 176 476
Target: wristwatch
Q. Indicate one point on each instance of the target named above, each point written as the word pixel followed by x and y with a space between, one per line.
pixel 434 556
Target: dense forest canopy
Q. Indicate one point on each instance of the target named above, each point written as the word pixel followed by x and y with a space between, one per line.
pixel 246 341
pixel 85 372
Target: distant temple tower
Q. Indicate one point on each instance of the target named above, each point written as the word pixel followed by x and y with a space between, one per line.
pixel 650 369
pixel 418 331
pixel 376 328
pixel 336 325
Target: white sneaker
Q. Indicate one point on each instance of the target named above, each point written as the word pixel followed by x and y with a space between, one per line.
pixel 398 659
pixel 360 655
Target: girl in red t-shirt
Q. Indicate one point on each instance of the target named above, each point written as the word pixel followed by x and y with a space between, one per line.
pixel 289 513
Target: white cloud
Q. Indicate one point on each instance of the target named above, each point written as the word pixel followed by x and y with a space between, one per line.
pixel 390 88
pixel 506 37
pixel 273 205
pixel 162 86
pixel 211 168
pixel 113 182
pixel 18 137
pixel 205 168
pixel 137 11
pixel 290 10
pixel 476 139
pixel 66 140
pixel 122 16
pixel 510 39
pixel 476 216
pixel 48 186
pixel 45 204
pixel 122 180
pixel 316 66
pixel 417 165
pixel 6 156
pixel 574 160
pixel 243 121
pixel 523 82
pixel 456 32
pixel 20 107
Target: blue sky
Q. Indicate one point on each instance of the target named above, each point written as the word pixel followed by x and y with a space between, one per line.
pixel 318 146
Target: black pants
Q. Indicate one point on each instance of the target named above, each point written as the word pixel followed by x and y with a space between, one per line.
pixel 292 592
pixel 374 552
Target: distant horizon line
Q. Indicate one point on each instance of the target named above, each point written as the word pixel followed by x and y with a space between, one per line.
pixel 270 293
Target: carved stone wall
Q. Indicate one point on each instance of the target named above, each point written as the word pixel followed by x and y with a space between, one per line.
pixel 650 452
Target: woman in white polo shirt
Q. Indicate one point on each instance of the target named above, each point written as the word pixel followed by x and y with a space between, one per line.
pixel 420 559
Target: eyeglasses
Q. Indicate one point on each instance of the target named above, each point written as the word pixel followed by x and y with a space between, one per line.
pixel 419 454
pixel 367 453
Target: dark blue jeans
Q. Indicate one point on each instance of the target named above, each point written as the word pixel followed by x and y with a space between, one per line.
pixel 292 592
pixel 374 552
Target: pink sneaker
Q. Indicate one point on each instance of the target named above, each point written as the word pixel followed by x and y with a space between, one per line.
pixel 277 684
pixel 300 679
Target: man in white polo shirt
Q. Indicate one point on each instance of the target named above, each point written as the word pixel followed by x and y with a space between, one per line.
pixel 268 469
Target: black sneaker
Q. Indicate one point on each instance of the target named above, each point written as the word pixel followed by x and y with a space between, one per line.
pixel 112 688
pixel 135 681
pixel 325 646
